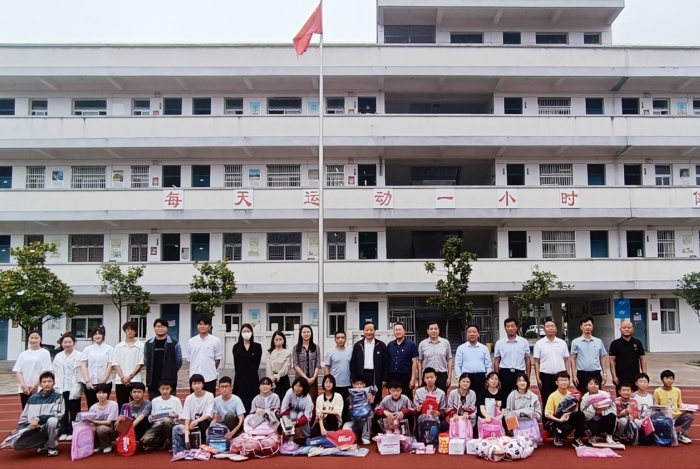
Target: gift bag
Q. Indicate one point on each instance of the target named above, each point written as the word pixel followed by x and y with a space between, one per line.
pixel 493 429
pixel 461 428
pixel 530 429
pixel 126 443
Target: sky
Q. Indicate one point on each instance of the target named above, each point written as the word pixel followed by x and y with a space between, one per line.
pixel 657 22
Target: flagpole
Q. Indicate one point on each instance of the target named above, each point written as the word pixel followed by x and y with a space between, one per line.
pixel 321 180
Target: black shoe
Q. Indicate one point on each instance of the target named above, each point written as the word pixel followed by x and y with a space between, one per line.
pixel 578 443
pixel 558 441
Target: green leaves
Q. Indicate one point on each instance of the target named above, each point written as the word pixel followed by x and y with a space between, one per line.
pixel 123 288
pixel 541 286
pixel 214 284
pixel 31 294
pixel 688 288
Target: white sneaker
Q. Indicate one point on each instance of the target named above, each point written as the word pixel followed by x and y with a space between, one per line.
pixel 96 450
pixel 107 450
pixel 683 438
pixel 69 437
pixel 592 439
pixel 609 440
pixel 63 438
pixel 365 441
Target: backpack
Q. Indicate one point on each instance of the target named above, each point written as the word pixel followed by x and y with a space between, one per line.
pixel 664 433
pixel 360 404
pixel 427 429
pixel 632 433
pixel 217 431
pixel 83 441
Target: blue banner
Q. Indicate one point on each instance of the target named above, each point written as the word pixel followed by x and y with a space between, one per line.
pixel 622 309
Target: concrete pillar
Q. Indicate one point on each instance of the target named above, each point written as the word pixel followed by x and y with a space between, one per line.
pixel 558 316
pixel 503 314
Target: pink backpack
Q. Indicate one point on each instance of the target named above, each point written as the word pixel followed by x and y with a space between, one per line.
pixel 82 445
pixel 262 429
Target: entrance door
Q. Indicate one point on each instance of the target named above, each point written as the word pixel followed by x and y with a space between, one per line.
pixel 3 339
pixel 638 316
pixel 369 312
pixel 171 313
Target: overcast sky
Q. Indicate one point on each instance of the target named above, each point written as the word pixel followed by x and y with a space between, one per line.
pixel 669 22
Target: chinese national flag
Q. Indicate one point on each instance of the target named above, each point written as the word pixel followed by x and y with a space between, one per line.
pixel 314 25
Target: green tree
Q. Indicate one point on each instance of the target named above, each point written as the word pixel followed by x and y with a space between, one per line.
pixel 214 284
pixel 123 289
pixel 541 286
pixel 688 288
pixel 457 267
pixel 30 294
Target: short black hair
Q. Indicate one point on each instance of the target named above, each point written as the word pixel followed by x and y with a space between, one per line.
pixel 524 376
pixel 196 378
pixel 139 386
pixel 340 332
pixel 165 382
pixel 549 320
pixel 304 383
pixel 509 320
pixel 641 376
pixel 330 378
pixel 472 325
pixel 463 376
pixel 429 370
pixel 265 380
pixel 562 374
pixel 47 374
pixel 368 323
pixel 585 319
pixel 594 379
pixel 161 321
pixel 103 387
pixel 100 329
pixel 66 335
pixel 225 380
pixel 205 318
pixel 399 324
pixel 433 323
pixel 358 379
pixel 130 325
pixel 626 385
pixel 395 384
pixel 668 374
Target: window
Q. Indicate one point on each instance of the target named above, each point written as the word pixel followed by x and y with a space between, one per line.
pixel 660 107
pixel 551 38
pixel 201 106
pixel 409 34
pixel 5 249
pixel 336 246
pixel 666 243
pixel 669 315
pixel 594 106
pixel 138 251
pixel 591 38
pixel 511 38
pixel 87 248
pixel 335 105
pixel 87 318
pixel 232 316
pixel 171 247
pixel 171 176
pixel 696 107
pixel 554 106
pixel 142 107
pixel 90 107
pixel 335 175
pixel 172 106
pixel 599 244
pixel 233 106
pixel 233 175
pixel 556 174
pixel 336 317
pixel 697 175
pixel 7 107
pixel 513 105
pixel 5 177
pixel 596 174
pixel 368 245
pixel 633 175
pixel 232 246
pixel 29 239
pixel 517 244
pixel 201 175
pixel 367 104
pixel 630 106
pixel 663 174
pixel 284 106
pixel 39 107
pixel 87 177
pixel 635 244
pixel 515 174
pixel 140 177
pixel 283 316
pixel 467 38
pixel 200 247
pixel 558 244
pixel 141 322
pixel 284 246
pixel 283 175
pixel 366 174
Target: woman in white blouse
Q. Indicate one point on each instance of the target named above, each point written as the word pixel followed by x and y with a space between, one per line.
pixel 278 362
pixel 329 409
pixel 29 365
pixel 96 364
pixel 67 370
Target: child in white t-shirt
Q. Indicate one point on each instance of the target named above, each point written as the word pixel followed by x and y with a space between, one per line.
pixel 196 415
pixel 165 414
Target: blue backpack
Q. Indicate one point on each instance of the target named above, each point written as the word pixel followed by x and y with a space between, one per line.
pixel 427 429
pixel 360 404
pixel 664 433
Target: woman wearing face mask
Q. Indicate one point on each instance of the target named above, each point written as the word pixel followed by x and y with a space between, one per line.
pixel 278 362
pixel 29 365
pixel 96 364
pixel 306 360
pixel 246 362
pixel 66 368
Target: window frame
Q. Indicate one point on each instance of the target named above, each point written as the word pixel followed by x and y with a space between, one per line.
pixel 93 177
pixel 666 244
pixel 29 239
pixel 229 315
pixel 86 316
pixel 199 249
pixel 336 243
pixel 663 178
pixel 234 109
pixel 331 305
pixel 201 175
pixel 291 249
pixel 5 246
pixel 141 323
pixel 170 245
pixel 6 173
pixel 551 35
pixel 141 246
pixel 392 35
pixel 471 37
pixel 512 242
pixel 38 112
pixel 90 111
pixel 140 179
pixel 664 312
pixel 556 174
pixel 511 110
pixel 510 43
pixel 234 246
pixel 338 108
pixel 597 36
pixel 174 111
pixel 361 242
pixel 279 109
pixel 625 109
pixel 6 109
pixel 283 175
pixel 334 176
pixel 589 108
pixel 561 248
pixel 661 111
pixel 92 251
pixel 140 110
pixel 599 241
pixel 233 175
pixel 551 106
pixel 166 177
pixel 596 175
pixel 286 310
pixel 201 106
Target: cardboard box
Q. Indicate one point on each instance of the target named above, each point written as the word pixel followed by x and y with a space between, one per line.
pixel 471 446
pixel 389 444
pixel 457 446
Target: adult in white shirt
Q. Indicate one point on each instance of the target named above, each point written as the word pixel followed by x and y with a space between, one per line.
pixel 205 352
pixel 29 365
pixel 66 369
pixel 128 361
pixel 551 357
pixel 96 364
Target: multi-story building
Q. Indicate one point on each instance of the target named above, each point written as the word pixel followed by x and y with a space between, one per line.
pixel 517 126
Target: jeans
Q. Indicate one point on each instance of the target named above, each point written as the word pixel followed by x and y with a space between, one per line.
pixel 361 428
pixel 44 435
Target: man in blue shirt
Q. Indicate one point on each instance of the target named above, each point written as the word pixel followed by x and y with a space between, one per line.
pixel 338 366
pixel 403 360
pixel 511 357
pixel 588 357
pixel 474 359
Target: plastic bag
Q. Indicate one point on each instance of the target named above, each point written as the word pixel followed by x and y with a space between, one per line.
pixel 530 429
pixel 461 427
pixel 493 429
pixel 360 404
pixel 427 429
pixel 664 430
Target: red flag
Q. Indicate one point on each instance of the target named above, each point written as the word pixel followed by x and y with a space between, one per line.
pixel 314 25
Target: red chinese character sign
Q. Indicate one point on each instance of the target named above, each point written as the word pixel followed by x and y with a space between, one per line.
pixel 383 198
pixel 242 199
pixel 311 199
pixel 445 198
pixel 507 198
pixel 174 199
pixel 569 198
pixel 696 198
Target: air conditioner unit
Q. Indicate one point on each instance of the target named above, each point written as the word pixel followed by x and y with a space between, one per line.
pixel 40 113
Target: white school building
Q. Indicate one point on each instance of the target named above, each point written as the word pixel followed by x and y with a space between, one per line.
pixel 517 126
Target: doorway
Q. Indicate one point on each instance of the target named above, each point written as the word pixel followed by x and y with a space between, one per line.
pixel 369 312
pixel 638 316
pixel 171 313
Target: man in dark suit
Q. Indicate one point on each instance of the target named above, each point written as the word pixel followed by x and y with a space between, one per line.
pixel 370 360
